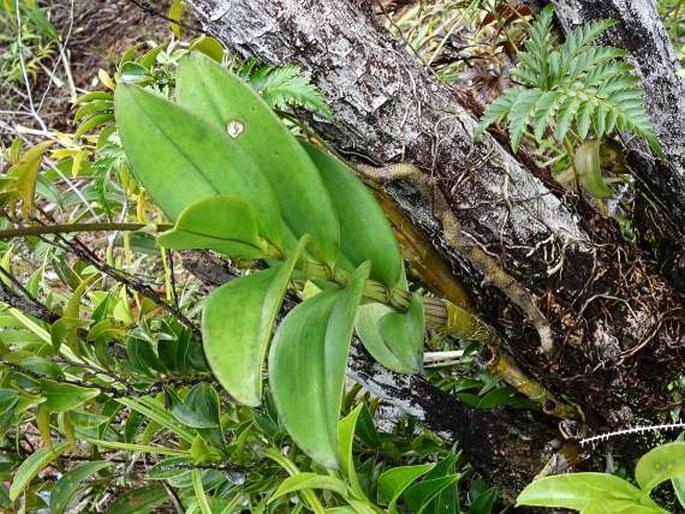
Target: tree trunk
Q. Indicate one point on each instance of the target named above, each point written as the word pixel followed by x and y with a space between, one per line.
pixel 641 33
pixel 618 326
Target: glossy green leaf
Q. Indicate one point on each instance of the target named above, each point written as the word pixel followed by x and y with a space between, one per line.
pixel 25 171
pixel 610 506
pixel 395 339
pixel 577 490
pixel 33 465
pixel 419 496
pixel 392 483
pixel 302 481
pixel 663 463
pixel 133 73
pixel 199 409
pixel 142 500
pixel 224 224
pixel 365 233
pixel 447 500
pixel 71 482
pixel 180 158
pixel 588 167
pixel 225 101
pixel 346 430
pixel 237 322
pixel 155 410
pixel 65 328
pixel 60 397
pixel 314 339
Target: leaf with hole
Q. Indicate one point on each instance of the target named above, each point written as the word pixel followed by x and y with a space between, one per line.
pixel 180 159
pixel 226 102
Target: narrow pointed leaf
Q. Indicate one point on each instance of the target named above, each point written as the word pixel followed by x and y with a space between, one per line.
pixel 71 482
pixel 61 397
pixel 180 158
pixel 307 367
pixel 33 465
pixel 237 321
pixel 224 224
pixel 365 233
pixel 419 496
pixel 393 482
pixel 346 430
pixel 226 102
pixel 309 481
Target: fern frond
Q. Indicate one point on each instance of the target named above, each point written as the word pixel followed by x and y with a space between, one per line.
pixel 497 110
pixel 520 114
pixel 545 111
pixel 574 85
pixel 284 86
pixel 578 40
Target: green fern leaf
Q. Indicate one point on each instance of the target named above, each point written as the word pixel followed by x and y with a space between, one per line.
pixel 521 113
pixel 544 112
pixel 285 86
pixel 584 117
pixel 497 110
pixel 567 111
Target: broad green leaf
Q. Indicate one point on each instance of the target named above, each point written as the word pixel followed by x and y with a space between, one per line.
pixel 237 321
pixel 227 103
pixel 310 481
pixel 210 47
pixel 395 339
pixel 609 506
pixel 71 482
pixel 33 465
pixel 392 483
pixel 663 463
pixel 576 490
pixel 224 224
pixel 199 409
pixel 180 158
pixel 419 496
pixel 133 73
pixel 588 167
pixel 60 397
pixel 307 366
pixel 447 500
pixel 65 328
pixel 365 233
pixel 142 500
pixel 346 430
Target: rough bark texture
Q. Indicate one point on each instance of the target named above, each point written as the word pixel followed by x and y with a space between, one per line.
pixel 641 33
pixel 606 306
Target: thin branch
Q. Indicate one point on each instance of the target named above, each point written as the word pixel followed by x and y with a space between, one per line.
pixel 80 227
pixel 147 7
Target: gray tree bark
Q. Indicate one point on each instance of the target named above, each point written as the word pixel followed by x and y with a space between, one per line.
pixel 606 306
